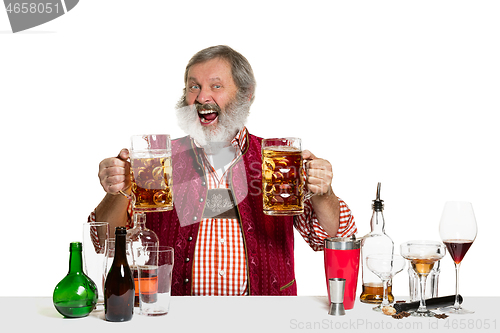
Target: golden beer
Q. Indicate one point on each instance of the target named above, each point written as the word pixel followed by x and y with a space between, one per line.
pixel 152 183
pixel 282 180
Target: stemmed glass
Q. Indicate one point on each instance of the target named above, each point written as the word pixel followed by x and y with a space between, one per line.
pixel 458 230
pixel 385 266
pixel 423 255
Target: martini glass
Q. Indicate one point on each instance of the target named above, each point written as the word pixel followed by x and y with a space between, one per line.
pixel 423 255
pixel 458 231
pixel 385 266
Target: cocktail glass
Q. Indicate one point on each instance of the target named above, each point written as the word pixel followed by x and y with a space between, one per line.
pixel 385 266
pixel 423 255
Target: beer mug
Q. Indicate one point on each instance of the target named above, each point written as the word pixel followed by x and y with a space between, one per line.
pixel 151 173
pixel 283 177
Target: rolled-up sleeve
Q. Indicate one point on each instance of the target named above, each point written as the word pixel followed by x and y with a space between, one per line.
pixel 129 225
pixel 309 228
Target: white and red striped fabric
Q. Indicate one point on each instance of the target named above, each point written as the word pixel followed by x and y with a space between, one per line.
pixel 219 259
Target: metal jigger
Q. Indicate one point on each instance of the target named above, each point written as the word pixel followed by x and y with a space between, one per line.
pixel 337 286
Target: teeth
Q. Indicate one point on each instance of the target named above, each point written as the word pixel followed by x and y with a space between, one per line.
pixel 206 111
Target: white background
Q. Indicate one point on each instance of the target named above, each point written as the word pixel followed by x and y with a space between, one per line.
pixel 405 93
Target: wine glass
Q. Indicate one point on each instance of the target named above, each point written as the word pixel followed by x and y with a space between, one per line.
pixel 385 266
pixel 458 229
pixel 423 255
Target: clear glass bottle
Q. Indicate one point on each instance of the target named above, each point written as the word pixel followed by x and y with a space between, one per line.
pixel 375 242
pixel 139 236
pixel 75 295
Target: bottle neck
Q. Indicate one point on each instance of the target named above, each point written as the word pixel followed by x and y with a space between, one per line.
pixel 139 220
pixel 120 249
pixel 75 261
pixel 377 223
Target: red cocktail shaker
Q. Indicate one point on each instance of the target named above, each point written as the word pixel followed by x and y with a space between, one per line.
pixel 342 261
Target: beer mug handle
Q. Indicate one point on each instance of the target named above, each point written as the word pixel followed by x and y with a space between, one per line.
pixel 308 193
pixel 129 197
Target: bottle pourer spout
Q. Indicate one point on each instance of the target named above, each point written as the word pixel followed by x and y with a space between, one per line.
pixel 378 205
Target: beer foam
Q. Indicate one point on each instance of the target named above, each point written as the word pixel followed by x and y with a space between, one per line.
pixel 153 153
pixel 282 148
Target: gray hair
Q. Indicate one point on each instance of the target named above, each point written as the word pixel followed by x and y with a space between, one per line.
pixel 240 68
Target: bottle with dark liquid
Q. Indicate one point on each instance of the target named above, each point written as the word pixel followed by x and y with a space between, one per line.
pixel 375 242
pixel 76 295
pixel 119 288
pixel 140 236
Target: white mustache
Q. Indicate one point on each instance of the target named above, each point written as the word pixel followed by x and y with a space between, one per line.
pixel 207 107
pixel 231 120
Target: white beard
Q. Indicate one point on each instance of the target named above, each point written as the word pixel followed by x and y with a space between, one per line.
pixel 229 122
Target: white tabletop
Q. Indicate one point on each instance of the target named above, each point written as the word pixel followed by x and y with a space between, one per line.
pixel 248 314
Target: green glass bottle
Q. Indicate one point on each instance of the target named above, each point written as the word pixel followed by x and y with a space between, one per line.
pixel 75 296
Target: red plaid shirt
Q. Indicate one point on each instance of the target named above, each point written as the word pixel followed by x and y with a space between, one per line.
pixel 219 266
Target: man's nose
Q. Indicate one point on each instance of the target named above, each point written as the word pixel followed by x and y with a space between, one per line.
pixel 204 97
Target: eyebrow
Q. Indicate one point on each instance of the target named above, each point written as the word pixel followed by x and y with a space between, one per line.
pixel 211 79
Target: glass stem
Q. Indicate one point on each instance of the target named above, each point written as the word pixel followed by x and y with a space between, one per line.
pixel 385 298
pixel 423 280
pixel 457 304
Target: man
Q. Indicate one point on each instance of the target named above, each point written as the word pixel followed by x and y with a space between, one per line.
pixel 243 251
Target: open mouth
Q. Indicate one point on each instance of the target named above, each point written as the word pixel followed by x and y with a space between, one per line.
pixel 207 116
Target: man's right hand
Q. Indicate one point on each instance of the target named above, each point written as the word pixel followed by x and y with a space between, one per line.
pixel 114 173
